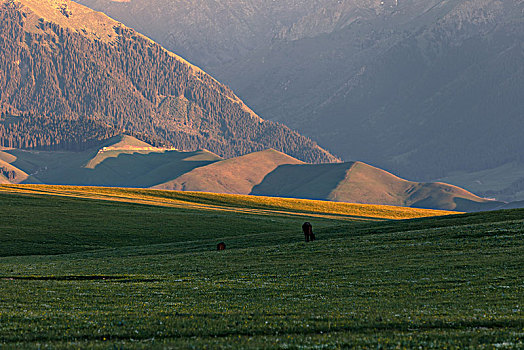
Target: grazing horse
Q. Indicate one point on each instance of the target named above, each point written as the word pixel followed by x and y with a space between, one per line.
pixel 307 228
pixel 221 246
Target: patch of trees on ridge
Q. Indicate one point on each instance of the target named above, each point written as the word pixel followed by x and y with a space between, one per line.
pixel 67 78
pixel 40 132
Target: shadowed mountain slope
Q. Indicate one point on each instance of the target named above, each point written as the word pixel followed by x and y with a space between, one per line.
pixel 121 161
pixel 236 176
pixel 71 75
pixel 358 182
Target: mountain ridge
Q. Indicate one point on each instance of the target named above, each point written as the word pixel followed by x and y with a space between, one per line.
pixel 234 176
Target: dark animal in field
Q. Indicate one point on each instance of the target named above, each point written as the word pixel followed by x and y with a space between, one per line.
pixel 307 228
pixel 221 246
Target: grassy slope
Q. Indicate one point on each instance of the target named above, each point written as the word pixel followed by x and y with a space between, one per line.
pixel 237 175
pixel 96 217
pixel 453 281
pixel 361 183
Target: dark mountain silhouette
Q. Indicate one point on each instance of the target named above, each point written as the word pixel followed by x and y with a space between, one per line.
pixel 70 76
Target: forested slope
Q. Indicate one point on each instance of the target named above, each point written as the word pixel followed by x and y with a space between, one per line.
pixel 81 76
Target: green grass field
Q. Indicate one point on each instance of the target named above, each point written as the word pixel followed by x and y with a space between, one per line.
pixel 110 268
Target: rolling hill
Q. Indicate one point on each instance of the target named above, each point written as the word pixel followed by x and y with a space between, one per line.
pixel 120 161
pixel 357 182
pixel 70 76
pixel 237 175
pixel 124 161
pixel 273 174
pixel 427 89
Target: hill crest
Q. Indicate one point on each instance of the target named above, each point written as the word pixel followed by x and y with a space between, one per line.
pixel 234 176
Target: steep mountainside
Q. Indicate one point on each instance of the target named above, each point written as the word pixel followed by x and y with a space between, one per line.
pixel 425 88
pixel 70 75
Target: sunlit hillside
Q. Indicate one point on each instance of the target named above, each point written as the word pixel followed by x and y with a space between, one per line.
pixel 229 202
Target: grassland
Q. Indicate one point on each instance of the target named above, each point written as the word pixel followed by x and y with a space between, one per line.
pixel 113 268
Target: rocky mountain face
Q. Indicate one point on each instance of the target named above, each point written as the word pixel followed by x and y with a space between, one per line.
pixel 425 88
pixel 70 76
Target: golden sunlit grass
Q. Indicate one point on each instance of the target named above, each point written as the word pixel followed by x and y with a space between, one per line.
pixel 231 203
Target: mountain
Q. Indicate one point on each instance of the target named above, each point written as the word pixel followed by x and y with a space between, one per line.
pixel 427 89
pixel 70 76
pixel 210 33
pixel 236 176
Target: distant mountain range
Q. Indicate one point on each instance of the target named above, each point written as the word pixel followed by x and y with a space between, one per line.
pixel 71 77
pixel 429 89
pixel 124 161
